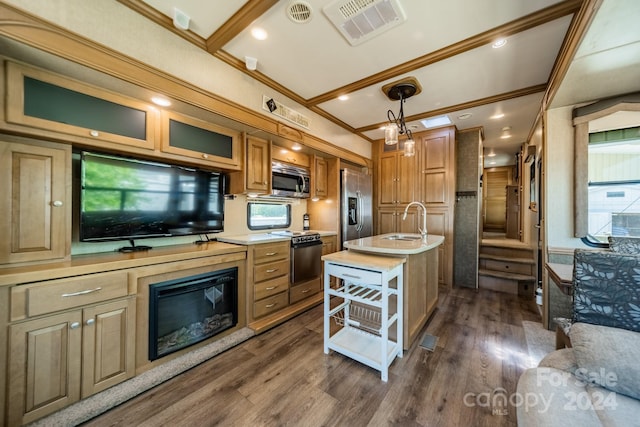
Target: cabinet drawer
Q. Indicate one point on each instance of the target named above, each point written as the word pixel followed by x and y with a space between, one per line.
pixel 62 294
pixel 270 271
pixel 271 252
pixel 305 290
pixel 271 304
pixel 355 275
pixel 508 267
pixel 270 287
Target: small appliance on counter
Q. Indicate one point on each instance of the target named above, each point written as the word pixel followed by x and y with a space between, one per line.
pixel 305 222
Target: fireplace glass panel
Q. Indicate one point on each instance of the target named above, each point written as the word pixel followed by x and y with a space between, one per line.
pixel 188 310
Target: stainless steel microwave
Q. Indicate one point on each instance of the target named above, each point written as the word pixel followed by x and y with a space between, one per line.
pixel 289 181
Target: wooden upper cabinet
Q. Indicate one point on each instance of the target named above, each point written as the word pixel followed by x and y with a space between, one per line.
pixel 46 104
pixel 282 154
pixel 396 179
pixel 319 185
pixel 203 141
pixel 35 204
pixel 436 167
pixel 258 165
pixel 255 177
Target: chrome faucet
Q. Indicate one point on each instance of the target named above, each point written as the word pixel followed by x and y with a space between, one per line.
pixel 423 230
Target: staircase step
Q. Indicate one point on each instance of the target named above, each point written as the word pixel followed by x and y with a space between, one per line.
pixel 506 275
pixel 507 258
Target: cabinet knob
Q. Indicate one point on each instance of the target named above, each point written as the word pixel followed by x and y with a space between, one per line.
pixel 90 322
pixel 264 182
pixel 94 133
pixel 57 203
pixel 74 325
pixel 205 156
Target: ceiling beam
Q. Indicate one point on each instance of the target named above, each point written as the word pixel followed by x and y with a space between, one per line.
pixel 465 105
pixel 240 20
pixel 527 22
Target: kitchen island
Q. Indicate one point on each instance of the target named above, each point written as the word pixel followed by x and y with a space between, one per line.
pixel 420 273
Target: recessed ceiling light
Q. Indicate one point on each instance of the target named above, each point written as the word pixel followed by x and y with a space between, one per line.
pixel 296 147
pixel 259 34
pixel 343 97
pixel 499 43
pixel 492 163
pixel 497 116
pixel 465 116
pixel 436 122
pixel 492 154
pixel 163 102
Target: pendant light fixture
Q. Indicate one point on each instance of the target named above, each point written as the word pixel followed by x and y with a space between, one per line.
pixel 396 127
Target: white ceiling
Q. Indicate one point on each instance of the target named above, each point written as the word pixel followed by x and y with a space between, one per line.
pixel 446 46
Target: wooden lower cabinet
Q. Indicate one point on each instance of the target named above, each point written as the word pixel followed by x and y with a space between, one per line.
pixel 390 221
pixel 268 278
pixel 58 359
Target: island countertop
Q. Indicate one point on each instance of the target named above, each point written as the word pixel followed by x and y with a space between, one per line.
pixel 395 243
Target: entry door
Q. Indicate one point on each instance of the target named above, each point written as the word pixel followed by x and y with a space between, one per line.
pixel 495 198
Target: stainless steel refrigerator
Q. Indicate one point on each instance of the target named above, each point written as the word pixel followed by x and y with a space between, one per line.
pixel 356 210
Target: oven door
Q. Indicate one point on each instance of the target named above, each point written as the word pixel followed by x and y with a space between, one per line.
pixel 306 263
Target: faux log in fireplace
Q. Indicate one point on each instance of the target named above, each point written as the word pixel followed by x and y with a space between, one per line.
pixel 188 310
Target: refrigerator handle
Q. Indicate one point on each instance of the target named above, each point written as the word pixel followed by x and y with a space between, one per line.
pixel 359 225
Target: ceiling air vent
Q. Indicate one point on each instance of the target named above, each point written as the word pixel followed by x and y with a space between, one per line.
pixel 361 20
pixel 299 12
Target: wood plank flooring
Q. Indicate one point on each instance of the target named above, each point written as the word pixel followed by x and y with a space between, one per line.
pixel 283 378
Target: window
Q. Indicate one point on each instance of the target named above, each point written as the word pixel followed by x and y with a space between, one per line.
pixel 614 183
pixel 606 169
pixel 262 216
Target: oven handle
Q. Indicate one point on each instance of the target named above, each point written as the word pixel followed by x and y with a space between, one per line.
pixel 306 244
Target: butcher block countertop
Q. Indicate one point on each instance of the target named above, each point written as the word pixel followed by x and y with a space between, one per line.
pixel 395 243
pixel 363 260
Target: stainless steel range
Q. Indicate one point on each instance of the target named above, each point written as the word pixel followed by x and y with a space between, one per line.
pixel 306 250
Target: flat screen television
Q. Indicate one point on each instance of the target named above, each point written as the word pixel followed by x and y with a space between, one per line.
pixel 123 198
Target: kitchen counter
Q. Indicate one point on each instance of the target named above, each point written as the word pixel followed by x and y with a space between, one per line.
pixel 257 238
pixel 407 243
pixel 420 273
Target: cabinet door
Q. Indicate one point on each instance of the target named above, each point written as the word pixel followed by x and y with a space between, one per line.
pixel 409 225
pixel 406 179
pixel 387 179
pixel 108 342
pixel 44 366
pixel 258 165
pixel 53 106
pixel 200 140
pixel 320 178
pixel 35 208
pixel 386 221
pixel 436 166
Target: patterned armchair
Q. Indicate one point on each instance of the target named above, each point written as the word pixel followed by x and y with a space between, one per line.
pixel 606 289
pixel 624 245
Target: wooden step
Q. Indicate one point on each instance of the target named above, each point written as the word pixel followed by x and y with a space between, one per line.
pixel 506 275
pixel 493 257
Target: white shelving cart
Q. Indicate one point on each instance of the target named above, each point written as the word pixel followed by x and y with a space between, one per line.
pixel 366 308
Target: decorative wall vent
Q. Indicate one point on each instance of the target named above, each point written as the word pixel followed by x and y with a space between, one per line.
pixel 280 110
pixel 299 12
pixel 361 20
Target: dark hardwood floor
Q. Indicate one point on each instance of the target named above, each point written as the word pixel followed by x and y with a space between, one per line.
pixel 282 377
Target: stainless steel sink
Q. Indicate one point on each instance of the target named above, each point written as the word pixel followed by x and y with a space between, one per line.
pixel 406 237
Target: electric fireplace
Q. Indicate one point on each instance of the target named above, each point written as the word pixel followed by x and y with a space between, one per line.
pixel 188 310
